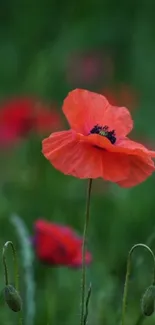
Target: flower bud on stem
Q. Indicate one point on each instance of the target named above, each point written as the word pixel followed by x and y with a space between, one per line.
pixel 11 294
pixel 128 275
pixel 148 299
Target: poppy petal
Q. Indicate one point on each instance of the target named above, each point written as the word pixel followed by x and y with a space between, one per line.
pixel 132 147
pixel 123 145
pixel 84 109
pixel 140 169
pixel 83 160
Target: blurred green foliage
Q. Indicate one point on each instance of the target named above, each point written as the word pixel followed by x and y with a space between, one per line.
pixel 38 40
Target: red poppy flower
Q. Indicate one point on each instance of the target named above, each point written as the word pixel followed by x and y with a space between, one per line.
pixel 58 245
pixel 18 116
pixel 97 144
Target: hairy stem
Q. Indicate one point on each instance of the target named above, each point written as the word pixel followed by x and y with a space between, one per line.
pixel 9 243
pixel 87 305
pixel 84 252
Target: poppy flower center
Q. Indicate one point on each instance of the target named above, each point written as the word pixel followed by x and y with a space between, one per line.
pixel 104 132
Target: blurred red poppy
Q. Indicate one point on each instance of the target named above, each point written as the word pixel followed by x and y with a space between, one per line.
pixel 19 116
pixel 89 67
pixel 58 245
pixel 123 95
pixel 97 144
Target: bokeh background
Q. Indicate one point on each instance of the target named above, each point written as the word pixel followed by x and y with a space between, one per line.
pixel 48 48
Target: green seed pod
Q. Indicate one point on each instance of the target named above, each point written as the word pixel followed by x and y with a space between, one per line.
pixel 12 298
pixel 148 301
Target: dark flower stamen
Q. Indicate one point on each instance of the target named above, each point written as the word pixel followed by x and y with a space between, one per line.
pixel 103 131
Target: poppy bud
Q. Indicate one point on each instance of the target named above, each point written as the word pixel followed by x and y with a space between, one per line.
pixel 12 298
pixel 148 301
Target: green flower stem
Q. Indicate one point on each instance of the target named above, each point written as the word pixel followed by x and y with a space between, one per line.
pixel 9 243
pixel 125 293
pixel 84 253
pixel 87 305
